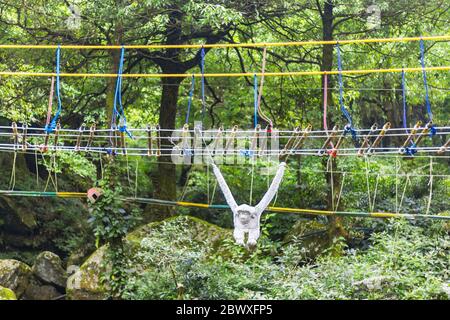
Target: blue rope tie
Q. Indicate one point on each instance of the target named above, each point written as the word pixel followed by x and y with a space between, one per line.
pixel 411 150
pixel 405 124
pixel 352 131
pixel 433 130
pixel 202 67
pixel 52 125
pixel 110 152
pixel 255 97
pixel 191 94
pixel 246 153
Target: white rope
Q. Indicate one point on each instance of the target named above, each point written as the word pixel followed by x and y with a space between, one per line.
pixel 54 168
pixel 136 178
pixel 251 183
pixel 430 184
pixel 407 181
pixel 340 192
pixel 12 180
pixel 49 177
pixel 128 171
pixel 372 207
pixel 37 169
pixel 367 179
pixel 213 193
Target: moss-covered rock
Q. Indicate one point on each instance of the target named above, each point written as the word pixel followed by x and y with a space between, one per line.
pixel 7 294
pixel 48 268
pixel 202 231
pixel 14 275
pixel 85 284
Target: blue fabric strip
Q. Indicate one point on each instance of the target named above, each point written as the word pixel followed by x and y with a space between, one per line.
pixel 424 73
pixel 52 125
pixel 341 90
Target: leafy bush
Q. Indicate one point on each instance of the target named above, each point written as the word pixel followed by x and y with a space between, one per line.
pixel 404 262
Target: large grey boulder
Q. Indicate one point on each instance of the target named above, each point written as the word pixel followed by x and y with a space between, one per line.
pixel 85 283
pixel 48 268
pixel 39 291
pixel 14 275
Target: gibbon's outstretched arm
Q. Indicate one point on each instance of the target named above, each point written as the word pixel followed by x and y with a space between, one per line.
pixel 225 189
pixel 265 201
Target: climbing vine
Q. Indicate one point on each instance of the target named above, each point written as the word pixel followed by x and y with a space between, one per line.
pixel 112 219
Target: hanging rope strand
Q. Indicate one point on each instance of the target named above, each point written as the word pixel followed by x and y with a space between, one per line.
pixel 50 101
pixel 202 67
pixel 430 184
pixel 50 127
pixel 191 94
pixel 405 123
pixel 424 74
pixel 118 97
pixel 349 126
pixel 261 85
pixel 325 105
pixel 255 99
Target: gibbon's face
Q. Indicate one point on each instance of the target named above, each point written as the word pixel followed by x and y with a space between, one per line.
pixel 246 214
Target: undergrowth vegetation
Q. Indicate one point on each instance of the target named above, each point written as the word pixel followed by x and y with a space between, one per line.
pixel 404 262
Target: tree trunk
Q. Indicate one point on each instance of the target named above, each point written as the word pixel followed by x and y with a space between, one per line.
pixel 165 178
pixel 111 85
pixel 334 183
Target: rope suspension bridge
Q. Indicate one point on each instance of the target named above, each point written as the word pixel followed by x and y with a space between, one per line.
pixel 427 139
pixel 148 141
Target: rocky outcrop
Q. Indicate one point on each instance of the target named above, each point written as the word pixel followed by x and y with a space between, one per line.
pixel 85 283
pixel 36 290
pixel 7 294
pixel 46 280
pixel 14 275
pixel 48 268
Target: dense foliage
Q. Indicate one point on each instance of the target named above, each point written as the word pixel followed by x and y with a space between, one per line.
pixel 403 262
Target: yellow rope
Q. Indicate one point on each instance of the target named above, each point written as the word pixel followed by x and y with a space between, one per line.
pixel 210 75
pixel 192 204
pixel 293 210
pixel 226 45
pixel 71 194
pixel 388 215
